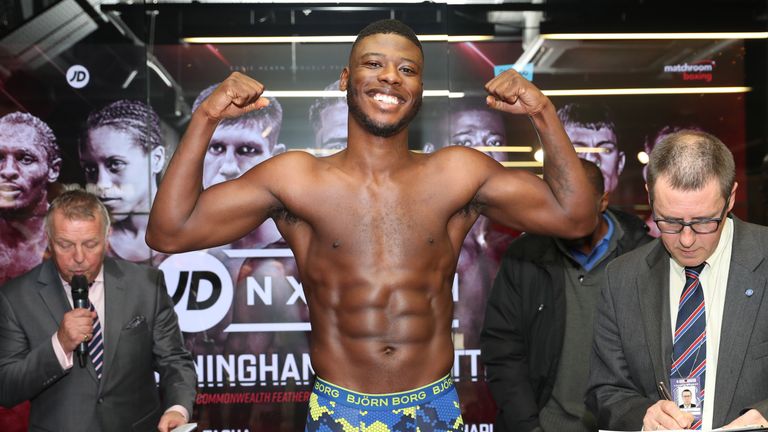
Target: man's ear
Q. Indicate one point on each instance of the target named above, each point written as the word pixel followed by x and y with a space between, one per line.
pixel 622 161
pixel 648 193
pixel 278 148
pixel 604 202
pixel 732 197
pixel 343 79
pixel 54 169
pixel 157 159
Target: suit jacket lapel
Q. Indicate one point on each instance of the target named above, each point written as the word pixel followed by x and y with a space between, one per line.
pixel 52 292
pixel 653 293
pixel 739 316
pixel 114 293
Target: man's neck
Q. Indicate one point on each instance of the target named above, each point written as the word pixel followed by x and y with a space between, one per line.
pixel 370 153
pixel 587 244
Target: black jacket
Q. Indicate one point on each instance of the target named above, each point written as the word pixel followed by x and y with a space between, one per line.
pixel 524 324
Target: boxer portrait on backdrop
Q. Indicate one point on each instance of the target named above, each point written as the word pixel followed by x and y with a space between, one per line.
pixel 375 229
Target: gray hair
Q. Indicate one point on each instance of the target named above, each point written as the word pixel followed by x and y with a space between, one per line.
pixel 77 204
pixel 46 138
pixel 689 159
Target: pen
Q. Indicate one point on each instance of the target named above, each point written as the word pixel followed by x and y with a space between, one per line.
pixel 663 391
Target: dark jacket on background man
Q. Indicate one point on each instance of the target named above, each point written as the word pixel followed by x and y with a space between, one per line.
pixel 525 322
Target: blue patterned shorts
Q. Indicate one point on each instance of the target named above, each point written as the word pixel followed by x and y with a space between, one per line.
pixel 432 408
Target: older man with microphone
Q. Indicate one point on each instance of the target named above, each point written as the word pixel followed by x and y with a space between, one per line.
pixel 115 316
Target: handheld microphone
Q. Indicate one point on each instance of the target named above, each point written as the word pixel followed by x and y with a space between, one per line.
pixel 79 286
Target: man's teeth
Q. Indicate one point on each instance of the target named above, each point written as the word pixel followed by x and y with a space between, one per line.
pixel 386 98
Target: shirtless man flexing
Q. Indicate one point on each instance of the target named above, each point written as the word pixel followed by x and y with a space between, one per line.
pixel 375 229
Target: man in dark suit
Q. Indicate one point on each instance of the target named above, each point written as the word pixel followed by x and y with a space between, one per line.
pixel 39 330
pixel 691 186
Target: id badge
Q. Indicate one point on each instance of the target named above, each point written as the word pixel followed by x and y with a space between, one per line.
pixel 686 395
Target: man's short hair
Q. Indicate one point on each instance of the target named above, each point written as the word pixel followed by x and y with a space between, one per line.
pixel 270 116
pixel 131 116
pixel 77 204
pixel 651 140
pixel 388 26
pixel 689 159
pixel 320 104
pixel 594 176
pixel 45 136
pixel 587 115
pixel 686 390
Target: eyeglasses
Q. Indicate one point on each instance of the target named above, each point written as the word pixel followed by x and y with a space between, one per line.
pixel 699 226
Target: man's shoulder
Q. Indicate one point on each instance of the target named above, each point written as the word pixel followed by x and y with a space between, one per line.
pixel 753 230
pixel 532 247
pixel 635 231
pixel 21 283
pixel 460 159
pixel 126 267
pixel 296 162
pixel 634 261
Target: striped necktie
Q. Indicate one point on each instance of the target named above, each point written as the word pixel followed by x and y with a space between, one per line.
pixel 689 358
pixel 96 345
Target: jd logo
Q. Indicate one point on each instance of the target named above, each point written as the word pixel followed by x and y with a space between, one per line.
pixel 78 76
pixel 200 287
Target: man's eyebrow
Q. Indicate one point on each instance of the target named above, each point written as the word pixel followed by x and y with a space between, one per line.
pixel 378 54
pixel 371 54
pixel 462 132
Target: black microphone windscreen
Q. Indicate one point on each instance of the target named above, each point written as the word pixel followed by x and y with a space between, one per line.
pixel 79 286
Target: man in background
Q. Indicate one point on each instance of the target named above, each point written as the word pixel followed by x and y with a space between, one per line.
pixel 131 332
pixel 592 130
pixel 538 321
pixel 29 163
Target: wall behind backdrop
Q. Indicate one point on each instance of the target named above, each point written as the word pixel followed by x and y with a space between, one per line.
pixel 241 306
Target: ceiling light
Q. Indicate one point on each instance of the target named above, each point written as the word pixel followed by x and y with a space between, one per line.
pixel 646 91
pixel 647 36
pixel 321 39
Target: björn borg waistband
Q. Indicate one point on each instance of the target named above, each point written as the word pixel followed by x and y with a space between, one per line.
pixel 404 399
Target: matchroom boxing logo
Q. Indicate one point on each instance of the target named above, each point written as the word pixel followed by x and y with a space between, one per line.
pixel 702 70
pixel 200 287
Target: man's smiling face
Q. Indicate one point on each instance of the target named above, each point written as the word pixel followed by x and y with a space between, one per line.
pixel 384 83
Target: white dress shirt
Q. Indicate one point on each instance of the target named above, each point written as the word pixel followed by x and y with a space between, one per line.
pixel 714 280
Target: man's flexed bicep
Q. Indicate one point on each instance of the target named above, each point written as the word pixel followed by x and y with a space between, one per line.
pixel 521 200
pixel 222 213
pixel 561 204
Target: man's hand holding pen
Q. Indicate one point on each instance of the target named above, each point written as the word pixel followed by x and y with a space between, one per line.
pixel 665 414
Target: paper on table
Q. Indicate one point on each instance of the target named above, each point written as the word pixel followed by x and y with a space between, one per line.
pixel 186 427
pixel 750 428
